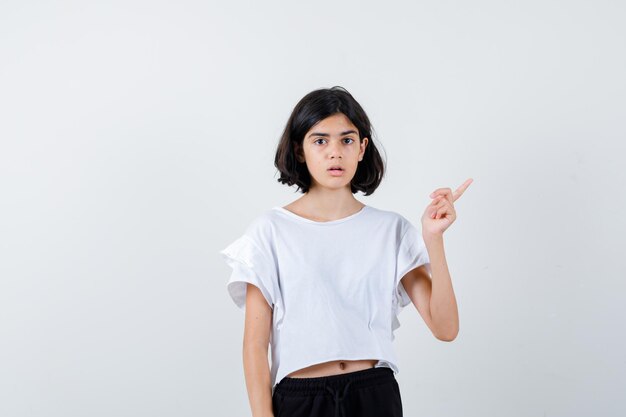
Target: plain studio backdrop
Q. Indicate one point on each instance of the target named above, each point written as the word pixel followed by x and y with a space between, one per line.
pixel 138 137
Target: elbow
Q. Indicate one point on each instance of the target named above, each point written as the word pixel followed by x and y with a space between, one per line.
pixel 448 336
pixel 446 330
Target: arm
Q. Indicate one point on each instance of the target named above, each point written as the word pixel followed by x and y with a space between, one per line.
pixel 434 297
pixel 257 328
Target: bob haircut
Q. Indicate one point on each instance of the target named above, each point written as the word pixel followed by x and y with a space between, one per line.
pixel 311 109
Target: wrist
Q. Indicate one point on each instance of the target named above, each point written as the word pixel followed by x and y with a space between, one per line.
pixel 432 237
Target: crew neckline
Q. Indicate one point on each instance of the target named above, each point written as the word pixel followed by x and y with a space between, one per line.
pixel 305 220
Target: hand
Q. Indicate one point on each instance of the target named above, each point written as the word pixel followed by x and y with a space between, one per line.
pixel 440 213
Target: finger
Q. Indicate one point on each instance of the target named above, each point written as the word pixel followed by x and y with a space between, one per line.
pixel 459 191
pixel 447 192
pixel 440 206
pixel 437 191
pixel 439 201
pixel 443 202
pixel 436 200
pixel 439 212
pixel 445 211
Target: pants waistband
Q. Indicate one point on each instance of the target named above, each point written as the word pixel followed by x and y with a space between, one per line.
pixel 356 379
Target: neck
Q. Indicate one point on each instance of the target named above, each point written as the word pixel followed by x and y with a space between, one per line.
pixel 329 203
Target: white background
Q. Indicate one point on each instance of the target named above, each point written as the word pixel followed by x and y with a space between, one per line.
pixel 138 137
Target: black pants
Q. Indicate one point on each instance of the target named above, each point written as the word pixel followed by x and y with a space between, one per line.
pixel 371 392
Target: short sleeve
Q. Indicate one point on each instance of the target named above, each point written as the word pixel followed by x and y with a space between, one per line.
pixel 412 253
pixel 249 265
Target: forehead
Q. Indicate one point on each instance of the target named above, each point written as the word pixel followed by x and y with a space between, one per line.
pixel 335 124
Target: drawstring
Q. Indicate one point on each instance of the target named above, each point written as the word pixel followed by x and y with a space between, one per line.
pixel 338 398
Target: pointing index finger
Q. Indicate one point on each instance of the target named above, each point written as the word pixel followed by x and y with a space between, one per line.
pixel 459 191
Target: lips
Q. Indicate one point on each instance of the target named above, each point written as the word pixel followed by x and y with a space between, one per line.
pixel 335 171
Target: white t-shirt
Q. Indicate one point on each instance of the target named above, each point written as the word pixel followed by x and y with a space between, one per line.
pixel 334 286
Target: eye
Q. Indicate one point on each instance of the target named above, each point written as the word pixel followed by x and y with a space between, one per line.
pixel 344 139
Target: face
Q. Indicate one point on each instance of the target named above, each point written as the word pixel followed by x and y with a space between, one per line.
pixel 332 141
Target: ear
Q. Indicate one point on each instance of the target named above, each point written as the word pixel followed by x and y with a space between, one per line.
pixel 297 149
pixel 364 144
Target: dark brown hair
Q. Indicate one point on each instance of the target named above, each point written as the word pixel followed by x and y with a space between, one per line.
pixel 312 108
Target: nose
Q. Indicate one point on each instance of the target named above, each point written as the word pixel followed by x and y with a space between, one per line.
pixel 335 150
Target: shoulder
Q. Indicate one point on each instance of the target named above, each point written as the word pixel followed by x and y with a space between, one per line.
pixel 391 218
pixel 262 227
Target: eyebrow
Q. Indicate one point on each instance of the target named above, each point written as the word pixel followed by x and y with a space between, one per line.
pixel 347 132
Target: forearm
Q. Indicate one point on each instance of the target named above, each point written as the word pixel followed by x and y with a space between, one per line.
pixel 257 374
pixel 443 307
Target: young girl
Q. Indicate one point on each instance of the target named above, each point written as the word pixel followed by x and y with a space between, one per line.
pixel 323 279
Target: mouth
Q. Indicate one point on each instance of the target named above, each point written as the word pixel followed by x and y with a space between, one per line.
pixel 335 171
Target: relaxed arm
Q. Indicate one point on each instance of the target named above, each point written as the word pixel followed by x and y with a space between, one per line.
pixel 257 329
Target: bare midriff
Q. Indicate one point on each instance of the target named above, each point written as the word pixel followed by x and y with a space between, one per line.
pixel 333 368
